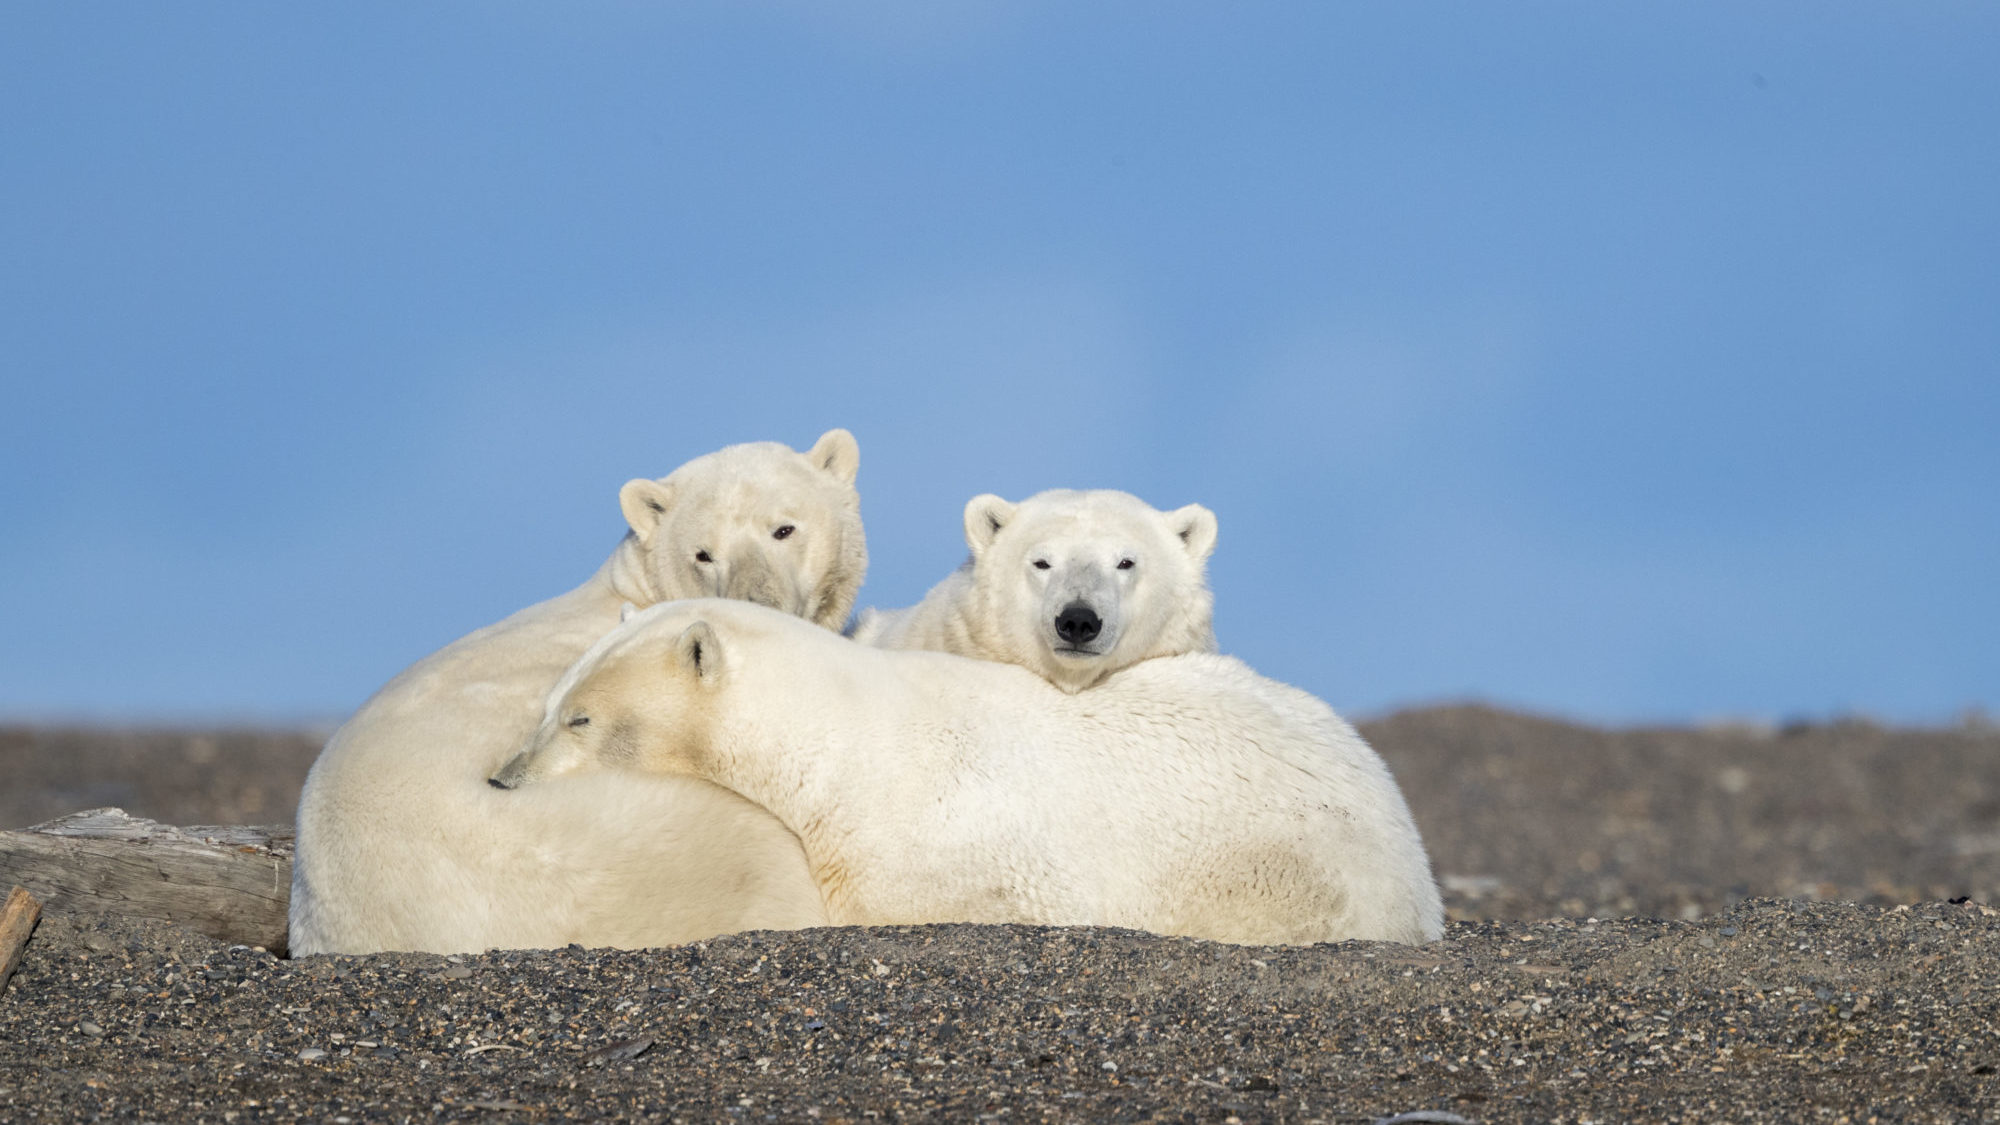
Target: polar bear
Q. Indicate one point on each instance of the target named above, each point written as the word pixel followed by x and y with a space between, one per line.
pixel 1186 795
pixel 1073 585
pixel 402 844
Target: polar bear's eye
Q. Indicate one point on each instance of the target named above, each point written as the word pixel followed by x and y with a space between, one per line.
pixel 1125 564
pixel 1041 564
pixel 784 532
pixel 580 721
pixel 702 556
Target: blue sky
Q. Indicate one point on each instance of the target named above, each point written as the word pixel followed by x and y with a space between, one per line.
pixel 1620 362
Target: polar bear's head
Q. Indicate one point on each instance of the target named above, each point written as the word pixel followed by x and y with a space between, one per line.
pixel 758 522
pixel 651 695
pixel 1076 585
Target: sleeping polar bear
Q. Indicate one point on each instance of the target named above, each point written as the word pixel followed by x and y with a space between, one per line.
pixel 1072 585
pixel 1184 795
pixel 403 845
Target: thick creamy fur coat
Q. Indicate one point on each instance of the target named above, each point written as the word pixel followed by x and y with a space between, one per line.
pixel 1183 795
pixel 403 845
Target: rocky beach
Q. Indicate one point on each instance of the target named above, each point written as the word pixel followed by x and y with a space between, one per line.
pixel 1727 923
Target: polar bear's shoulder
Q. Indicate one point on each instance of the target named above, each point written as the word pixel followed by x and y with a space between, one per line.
pixel 930 624
pixel 1205 676
pixel 1224 693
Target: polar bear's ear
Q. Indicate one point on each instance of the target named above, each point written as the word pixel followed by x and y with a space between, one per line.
pixel 699 653
pixel 838 453
pixel 1196 527
pixel 985 515
pixel 644 501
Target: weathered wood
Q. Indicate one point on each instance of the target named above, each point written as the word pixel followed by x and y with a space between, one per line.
pixel 230 882
pixel 17 921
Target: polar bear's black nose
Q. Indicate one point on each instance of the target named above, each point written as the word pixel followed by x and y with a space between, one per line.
pixel 1078 624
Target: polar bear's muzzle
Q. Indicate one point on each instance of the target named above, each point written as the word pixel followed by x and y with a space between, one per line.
pixel 749 577
pixel 542 757
pixel 1080 612
pixel 512 774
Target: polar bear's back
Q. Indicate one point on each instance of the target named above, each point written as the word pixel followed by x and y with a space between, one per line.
pixel 1280 822
pixel 1185 794
pixel 400 774
pixel 403 845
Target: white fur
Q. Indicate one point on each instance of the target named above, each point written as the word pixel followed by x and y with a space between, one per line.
pixel 1183 795
pixel 1136 573
pixel 402 844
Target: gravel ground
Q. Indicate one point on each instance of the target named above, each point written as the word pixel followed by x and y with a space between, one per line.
pixel 1709 986
pixel 1777 1011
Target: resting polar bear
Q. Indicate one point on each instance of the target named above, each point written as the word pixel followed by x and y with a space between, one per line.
pixel 403 845
pixel 1070 585
pixel 1186 795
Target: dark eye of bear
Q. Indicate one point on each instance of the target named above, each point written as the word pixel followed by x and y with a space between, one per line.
pixel 1124 564
pixel 1041 564
pixel 702 556
pixel 784 532
pixel 580 721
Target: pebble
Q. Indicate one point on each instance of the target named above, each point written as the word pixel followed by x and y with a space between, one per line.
pixel 628 1049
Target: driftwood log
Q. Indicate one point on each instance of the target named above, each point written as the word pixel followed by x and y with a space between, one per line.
pixel 17 920
pixel 230 882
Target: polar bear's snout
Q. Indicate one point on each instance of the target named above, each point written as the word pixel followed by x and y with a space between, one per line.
pixel 1078 624
pixel 518 769
pixel 542 757
pixel 747 575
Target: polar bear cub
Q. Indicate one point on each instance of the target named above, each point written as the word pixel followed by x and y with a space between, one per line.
pixel 402 844
pixel 1186 795
pixel 1071 585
